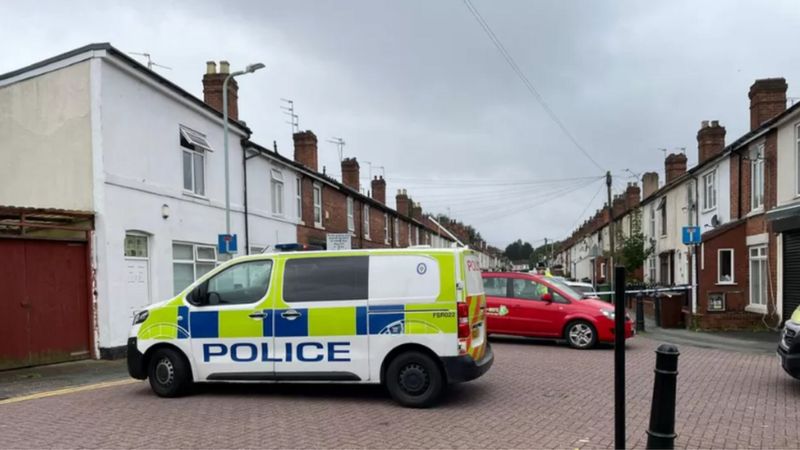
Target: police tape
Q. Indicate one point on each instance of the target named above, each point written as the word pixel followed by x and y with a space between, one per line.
pixel 684 287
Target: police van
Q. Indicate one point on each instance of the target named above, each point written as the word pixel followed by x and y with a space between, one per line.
pixel 410 319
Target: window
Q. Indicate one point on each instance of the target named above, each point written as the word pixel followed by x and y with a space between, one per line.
pixel 299 196
pixel 653 220
pixel 277 192
pixel 797 152
pixel 663 207
pixel 326 279
pixel 725 266
pixel 317 205
pixel 396 232
pixel 366 221
pixel 243 283
pixel 409 235
pixel 385 228
pixel 527 289
pixel 194 147
pixel 665 266
pixel 495 287
pixel 651 269
pixel 135 246
pixel 758 275
pixel 710 190
pixel 757 179
pixel 602 270
pixel 190 262
pixel 416 235
pixel 351 222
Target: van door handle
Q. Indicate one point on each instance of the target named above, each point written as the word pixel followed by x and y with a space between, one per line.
pixel 258 315
pixel 290 314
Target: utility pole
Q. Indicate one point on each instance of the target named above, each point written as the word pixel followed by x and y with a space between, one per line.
pixel 610 264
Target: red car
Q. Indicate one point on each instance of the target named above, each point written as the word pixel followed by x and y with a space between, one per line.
pixel 536 306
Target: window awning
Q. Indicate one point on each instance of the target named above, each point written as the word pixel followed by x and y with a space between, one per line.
pixel 785 218
pixel 195 138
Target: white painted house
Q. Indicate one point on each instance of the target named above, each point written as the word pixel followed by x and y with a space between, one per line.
pixel 95 132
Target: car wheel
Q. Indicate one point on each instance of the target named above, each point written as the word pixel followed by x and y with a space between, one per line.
pixel 413 379
pixel 581 335
pixel 169 373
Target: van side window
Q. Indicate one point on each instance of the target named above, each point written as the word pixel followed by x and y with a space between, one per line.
pixel 495 287
pixel 326 279
pixel 239 284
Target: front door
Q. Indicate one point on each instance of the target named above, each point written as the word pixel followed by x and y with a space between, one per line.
pixel 230 323
pixel 321 320
pixel 137 272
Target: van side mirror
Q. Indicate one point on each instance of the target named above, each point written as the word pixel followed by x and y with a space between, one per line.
pixel 547 297
pixel 199 296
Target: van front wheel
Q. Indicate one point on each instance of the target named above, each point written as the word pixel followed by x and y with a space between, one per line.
pixel 413 379
pixel 168 373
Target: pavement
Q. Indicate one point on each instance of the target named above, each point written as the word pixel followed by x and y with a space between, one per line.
pixel 765 341
pixel 540 395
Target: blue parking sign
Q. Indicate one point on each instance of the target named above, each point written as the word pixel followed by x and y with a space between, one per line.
pixel 691 235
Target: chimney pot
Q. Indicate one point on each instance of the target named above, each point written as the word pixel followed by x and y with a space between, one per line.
pixel 715 123
pixel 224 67
pixel 211 67
pixel 704 124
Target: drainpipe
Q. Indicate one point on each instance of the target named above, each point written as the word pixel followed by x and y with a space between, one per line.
pixel 245 143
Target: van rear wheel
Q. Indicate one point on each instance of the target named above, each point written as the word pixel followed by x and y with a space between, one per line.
pixel 413 379
pixel 169 373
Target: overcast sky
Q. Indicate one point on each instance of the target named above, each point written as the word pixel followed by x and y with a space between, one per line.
pixel 417 87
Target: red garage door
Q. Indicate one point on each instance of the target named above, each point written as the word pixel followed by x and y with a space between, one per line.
pixel 44 310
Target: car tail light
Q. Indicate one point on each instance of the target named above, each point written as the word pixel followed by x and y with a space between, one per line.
pixel 463 321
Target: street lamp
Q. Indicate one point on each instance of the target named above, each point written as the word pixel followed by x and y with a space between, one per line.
pixel 249 69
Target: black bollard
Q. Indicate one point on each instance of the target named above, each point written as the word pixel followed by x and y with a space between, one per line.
pixel 661 434
pixel 639 312
pixel 619 357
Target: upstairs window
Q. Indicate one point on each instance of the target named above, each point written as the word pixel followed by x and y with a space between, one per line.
pixel 277 192
pixel 366 221
pixel 652 220
pixel 318 206
pixel 663 207
pixel 710 190
pixel 299 197
pixel 194 146
pixel 757 179
pixel 351 221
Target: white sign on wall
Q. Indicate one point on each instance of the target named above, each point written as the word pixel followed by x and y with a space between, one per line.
pixel 339 241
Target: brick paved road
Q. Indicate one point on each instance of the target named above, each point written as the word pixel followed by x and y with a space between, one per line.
pixel 536 395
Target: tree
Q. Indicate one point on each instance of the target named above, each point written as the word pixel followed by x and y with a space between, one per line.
pixel 519 251
pixel 634 251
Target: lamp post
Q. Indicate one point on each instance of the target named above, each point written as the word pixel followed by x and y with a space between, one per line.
pixel 249 69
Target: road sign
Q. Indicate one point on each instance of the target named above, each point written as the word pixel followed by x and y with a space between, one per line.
pixel 339 241
pixel 691 235
pixel 226 243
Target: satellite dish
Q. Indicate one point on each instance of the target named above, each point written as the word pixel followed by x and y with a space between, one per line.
pixel 715 221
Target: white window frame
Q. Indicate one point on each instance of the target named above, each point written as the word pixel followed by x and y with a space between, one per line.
pixel 396 232
pixel 299 198
pixel 797 158
pixel 763 273
pixel 710 191
pixel 757 179
pixel 196 147
pixel 134 234
pixel 651 269
pixel 317 202
pixel 276 188
pixel 196 259
pixel 385 228
pixel 719 266
pixel 653 220
pixel 663 214
pixel 366 220
pixel 351 220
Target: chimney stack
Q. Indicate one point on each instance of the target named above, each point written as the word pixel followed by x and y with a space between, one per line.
pixel 674 166
pixel 710 140
pixel 212 88
pixel 618 206
pixel 402 204
pixel 305 149
pixel 350 173
pixel 649 184
pixel 416 211
pixel 379 189
pixel 767 100
pixel 632 196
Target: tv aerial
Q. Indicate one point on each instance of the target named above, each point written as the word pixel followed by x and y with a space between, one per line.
pixel 150 62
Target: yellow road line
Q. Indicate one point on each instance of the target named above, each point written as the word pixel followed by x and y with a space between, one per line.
pixel 69 390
